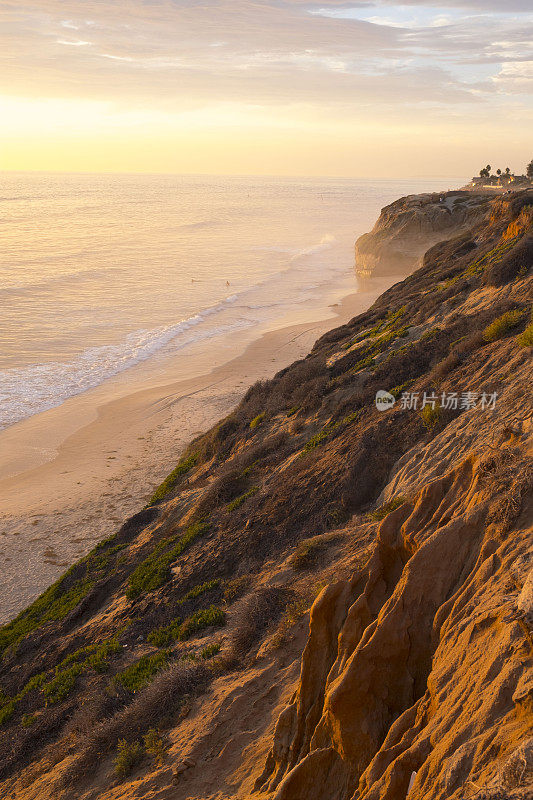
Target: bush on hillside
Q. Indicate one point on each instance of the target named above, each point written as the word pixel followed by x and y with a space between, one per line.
pixel 515 263
pixel 502 325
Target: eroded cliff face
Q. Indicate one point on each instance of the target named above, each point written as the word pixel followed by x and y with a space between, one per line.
pixel 417 673
pixel 409 226
pixel 325 601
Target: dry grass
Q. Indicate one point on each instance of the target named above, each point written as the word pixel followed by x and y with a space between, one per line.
pixel 310 552
pixel 293 613
pixel 160 701
pixel 254 614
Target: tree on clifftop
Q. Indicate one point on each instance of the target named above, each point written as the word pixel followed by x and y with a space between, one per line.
pixel 529 170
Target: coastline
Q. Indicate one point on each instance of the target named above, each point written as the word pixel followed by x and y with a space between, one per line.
pixel 70 476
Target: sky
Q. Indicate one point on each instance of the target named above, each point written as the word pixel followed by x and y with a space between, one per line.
pixel 278 87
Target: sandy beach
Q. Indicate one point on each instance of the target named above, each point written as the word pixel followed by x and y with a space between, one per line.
pixel 70 476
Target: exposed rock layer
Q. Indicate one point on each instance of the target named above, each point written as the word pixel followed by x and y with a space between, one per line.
pixel 409 226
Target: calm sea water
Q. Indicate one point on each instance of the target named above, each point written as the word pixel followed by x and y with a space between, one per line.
pixel 101 272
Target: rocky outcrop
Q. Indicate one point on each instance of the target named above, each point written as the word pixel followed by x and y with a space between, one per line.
pixel 432 669
pixel 409 226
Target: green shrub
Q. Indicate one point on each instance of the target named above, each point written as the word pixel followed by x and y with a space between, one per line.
pixel 526 338
pixel 139 674
pixel 6 711
pixel 257 420
pixel 292 411
pixel 178 630
pixel 236 588
pixel 315 441
pixel 201 619
pixel 350 418
pixel 28 720
pixel 154 571
pixel 129 755
pixel 430 416
pixel 166 634
pixel 502 325
pixel 196 591
pixel 242 499
pixel 94 655
pixel 61 684
pixel 54 604
pixel 99 660
pixel 396 391
pixel 210 651
pixel 184 466
pixel 381 512
pixel 364 363
pixel 484 262
pixel 327 431
pixel 154 746
pixel 292 614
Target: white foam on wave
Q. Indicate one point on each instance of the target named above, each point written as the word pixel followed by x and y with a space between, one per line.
pixel 29 390
pixel 326 243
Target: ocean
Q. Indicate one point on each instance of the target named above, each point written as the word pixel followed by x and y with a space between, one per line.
pixel 102 273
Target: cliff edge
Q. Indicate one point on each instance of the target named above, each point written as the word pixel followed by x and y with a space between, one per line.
pixel 330 597
pixel 409 226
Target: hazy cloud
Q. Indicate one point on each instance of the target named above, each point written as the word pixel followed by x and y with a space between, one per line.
pixel 172 54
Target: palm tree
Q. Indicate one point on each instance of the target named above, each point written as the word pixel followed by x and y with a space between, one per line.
pixel 529 171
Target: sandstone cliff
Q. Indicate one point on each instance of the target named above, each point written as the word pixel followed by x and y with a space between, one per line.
pixel 409 226
pixel 324 601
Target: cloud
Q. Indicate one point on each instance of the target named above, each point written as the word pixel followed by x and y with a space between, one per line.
pixel 181 54
pixel 515 77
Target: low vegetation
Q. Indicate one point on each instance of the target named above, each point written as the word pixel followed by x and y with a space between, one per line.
pixel 327 431
pixel 155 747
pixel 139 674
pixel 171 481
pixel 178 630
pixel 293 613
pixel 200 589
pixel 257 421
pixel 383 511
pixel 129 756
pixel 205 618
pixel 236 588
pixel 502 325
pixel 154 571
pixel 526 338
pixel 210 651
pixel 237 503
pixel 431 415
pixel 309 552
pixel 52 605
pixel 61 684
pixel 165 634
